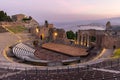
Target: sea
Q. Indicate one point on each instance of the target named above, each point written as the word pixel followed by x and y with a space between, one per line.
pixel 76 27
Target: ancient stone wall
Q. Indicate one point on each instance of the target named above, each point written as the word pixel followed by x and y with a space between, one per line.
pixel 88 37
pixel 18 17
pixel 111 41
pixel 31 23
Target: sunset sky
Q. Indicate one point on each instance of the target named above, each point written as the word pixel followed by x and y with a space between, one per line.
pixel 63 10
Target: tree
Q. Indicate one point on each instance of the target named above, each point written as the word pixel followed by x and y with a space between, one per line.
pixel 93 38
pixel 4 16
pixel 70 34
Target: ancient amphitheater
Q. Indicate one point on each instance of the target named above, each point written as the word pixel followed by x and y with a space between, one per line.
pixel 102 67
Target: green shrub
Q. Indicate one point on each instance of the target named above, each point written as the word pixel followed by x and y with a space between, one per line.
pixel 17 29
pixel 117 53
pixel 70 34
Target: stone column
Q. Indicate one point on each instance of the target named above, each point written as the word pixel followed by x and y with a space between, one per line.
pixel 88 41
pixel 98 40
pixel 81 39
pixel 84 42
pixel 78 39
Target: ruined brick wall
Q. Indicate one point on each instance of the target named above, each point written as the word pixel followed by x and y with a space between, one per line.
pixel 18 17
pixel 110 41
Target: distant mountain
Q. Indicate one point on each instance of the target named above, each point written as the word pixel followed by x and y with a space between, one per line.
pixel 114 21
pixel 98 23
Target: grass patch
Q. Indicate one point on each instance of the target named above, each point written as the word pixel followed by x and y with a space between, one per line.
pixel 117 53
pixel 16 29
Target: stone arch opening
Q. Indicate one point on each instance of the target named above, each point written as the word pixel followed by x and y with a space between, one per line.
pixel 93 39
pixel 42 37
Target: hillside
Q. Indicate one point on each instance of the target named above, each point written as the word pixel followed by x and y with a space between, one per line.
pixel 17 20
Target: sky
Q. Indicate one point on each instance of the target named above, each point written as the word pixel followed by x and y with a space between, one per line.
pixel 63 10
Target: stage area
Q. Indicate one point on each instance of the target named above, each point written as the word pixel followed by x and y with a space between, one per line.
pixel 65 49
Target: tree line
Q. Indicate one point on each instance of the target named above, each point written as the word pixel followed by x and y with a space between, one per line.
pixel 4 16
pixel 71 35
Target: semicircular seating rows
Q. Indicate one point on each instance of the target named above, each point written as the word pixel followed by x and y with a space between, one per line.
pixel 25 52
pixel 21 50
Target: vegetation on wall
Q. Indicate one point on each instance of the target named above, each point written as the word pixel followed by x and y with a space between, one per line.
pixel 16 29
pixel 4 16
pixel 93 39
pixel 117 53
pixel 27 19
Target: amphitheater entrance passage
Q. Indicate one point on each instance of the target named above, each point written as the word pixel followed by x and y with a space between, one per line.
pixel 42 37
pixel 114 47
pixel 93 38
pixel 55 35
